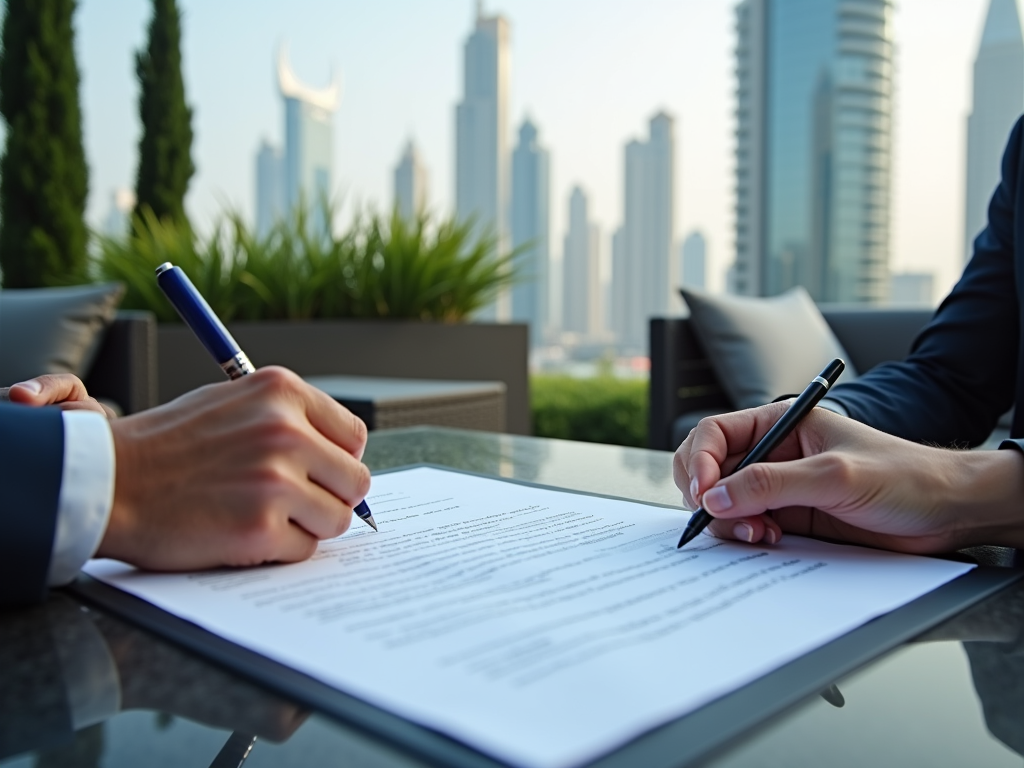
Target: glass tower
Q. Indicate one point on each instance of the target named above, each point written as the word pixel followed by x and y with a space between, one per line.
pixel 307 160
pixel 410 184
pixel 581 288
pixel 813 156
pixel 642 279
pixel 998 96
pixel 531 207
pixel 481 134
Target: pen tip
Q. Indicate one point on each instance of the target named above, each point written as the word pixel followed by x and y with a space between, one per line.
pixel 688 535
pixel 370 521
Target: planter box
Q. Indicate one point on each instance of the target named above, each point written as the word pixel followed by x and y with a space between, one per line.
pixel 395 349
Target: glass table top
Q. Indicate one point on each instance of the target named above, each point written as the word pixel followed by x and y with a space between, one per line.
pixel 954 696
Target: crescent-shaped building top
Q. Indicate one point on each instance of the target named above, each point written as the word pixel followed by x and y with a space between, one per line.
pixel 302 173
pixel 326 98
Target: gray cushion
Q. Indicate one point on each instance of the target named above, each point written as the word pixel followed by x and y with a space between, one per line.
pixel 53 330
pixel 762 349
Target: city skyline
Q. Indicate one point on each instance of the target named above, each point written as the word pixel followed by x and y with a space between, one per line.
pixel 636 59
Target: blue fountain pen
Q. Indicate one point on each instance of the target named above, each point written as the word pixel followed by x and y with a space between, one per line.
pixel 198 316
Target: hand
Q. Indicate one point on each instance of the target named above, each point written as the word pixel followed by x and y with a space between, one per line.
pixel 245 472
pixel 65 390
pixel 838 479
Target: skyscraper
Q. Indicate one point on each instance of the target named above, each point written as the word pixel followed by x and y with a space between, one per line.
pixel 118 222
pixel 693 261
pixel 410 183
pixel 581 303
pixel 308 140
pixel 269 187
pixel 813 156
pixel 531 208
pixel 619 290
pixel 997 102
pixel 481 130
pixel 642 256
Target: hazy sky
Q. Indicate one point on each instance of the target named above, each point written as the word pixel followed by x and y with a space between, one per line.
pixel 589 72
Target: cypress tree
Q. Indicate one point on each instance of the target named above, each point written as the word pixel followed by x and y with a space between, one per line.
pixel 43 176
pixel 165 149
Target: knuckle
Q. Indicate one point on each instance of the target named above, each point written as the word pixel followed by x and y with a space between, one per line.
pixel 762 480
pixel 259 534
pixel 344 522
pixel 277 433
pixel 362 480
pixel 679 469
pixel 277 379
pixel 359 430
pixel 838 469
pixel 308 550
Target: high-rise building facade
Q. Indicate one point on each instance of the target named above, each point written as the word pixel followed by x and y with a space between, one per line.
pixel 481 131
pixel 814 147
pixel 912 288
pixel 642 269
pixel 270 204
pixel 693 261
pixel 308 137
pixel 530 231
pixel 581 280
pixel 998 100
pixel 410 183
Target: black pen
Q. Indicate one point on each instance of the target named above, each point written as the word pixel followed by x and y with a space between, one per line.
pixel 774 436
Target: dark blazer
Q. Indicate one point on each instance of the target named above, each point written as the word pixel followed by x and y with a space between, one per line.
pixel 31 462
pixel 965 368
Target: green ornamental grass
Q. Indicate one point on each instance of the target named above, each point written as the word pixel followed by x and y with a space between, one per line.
pixel 380 267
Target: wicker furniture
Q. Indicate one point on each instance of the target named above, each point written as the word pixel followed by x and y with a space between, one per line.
pixel 392 403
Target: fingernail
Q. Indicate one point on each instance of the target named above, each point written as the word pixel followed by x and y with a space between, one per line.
pixel 770 535
pixel 743 532
pixel 31 385
pixel 717 499
pixel 694 486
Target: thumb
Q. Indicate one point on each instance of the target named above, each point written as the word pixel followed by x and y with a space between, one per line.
pixel 48 389
pixel 809 482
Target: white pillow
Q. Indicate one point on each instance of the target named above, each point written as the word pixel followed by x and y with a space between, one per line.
pixel 762 349
pixel 53 330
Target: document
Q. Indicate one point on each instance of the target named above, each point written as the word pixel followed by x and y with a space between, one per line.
pixel 542 627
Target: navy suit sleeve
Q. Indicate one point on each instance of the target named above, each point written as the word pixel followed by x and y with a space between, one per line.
pixel 31 463
pixel 961 374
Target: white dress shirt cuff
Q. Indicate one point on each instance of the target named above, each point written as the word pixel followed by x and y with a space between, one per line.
pixel 86 493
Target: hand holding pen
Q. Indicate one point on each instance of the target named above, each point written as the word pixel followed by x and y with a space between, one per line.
pixel 771 440
pixel 838 479
pixel 202 320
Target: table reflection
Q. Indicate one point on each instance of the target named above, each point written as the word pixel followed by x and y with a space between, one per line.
pixel 68 669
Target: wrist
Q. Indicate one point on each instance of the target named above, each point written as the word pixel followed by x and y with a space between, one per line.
pixel 119 534
pixel 987 498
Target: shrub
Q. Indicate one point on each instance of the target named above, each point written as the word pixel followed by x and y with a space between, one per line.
pixel 602 409
pixel 165 146
pixel 381 267
pixel 43 175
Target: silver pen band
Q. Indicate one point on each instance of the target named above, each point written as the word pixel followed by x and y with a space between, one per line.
pixel 820 380
pixel 237 366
